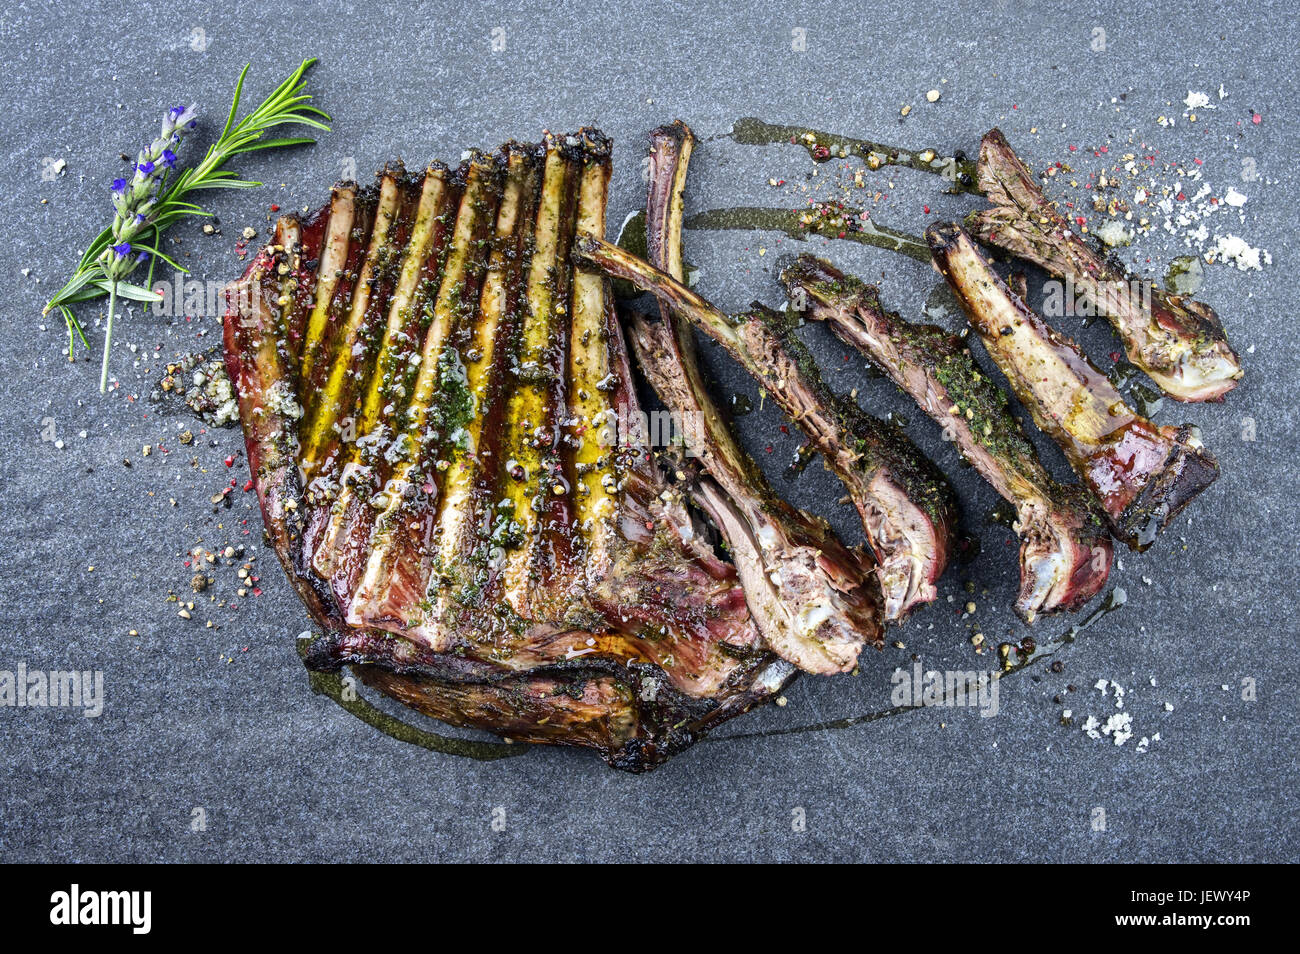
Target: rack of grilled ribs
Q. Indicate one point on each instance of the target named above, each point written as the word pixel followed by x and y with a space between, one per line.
pixel 430 393
pixel 434 384
pixel 1178 342
pixel 1141 473
pixel 1065 548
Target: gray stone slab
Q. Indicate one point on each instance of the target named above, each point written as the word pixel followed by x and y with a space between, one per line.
pixel 221 719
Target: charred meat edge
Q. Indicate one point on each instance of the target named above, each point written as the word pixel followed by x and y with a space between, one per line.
pixel 815 600
pixel 1178 342
pixel 1141 473
pixel 283 352
pixel 1065 548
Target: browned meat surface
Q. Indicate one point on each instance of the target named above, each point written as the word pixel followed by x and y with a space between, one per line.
pixel 1141 473
pixel 1178 342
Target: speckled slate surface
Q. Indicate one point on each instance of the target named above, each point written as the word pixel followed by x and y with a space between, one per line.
pixel 221 719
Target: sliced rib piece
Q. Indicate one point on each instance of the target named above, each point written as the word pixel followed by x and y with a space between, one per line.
pixel 1065 548
pixel 815 601
pixel 1141 473
pixel 906 504
pixel 1178 342
pixel 425 382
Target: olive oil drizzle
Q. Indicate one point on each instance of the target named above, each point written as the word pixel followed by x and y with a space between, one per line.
pixel 847 224
pixel 1185 275
pixel 1114 600
pixel 330 685
pixel 956 169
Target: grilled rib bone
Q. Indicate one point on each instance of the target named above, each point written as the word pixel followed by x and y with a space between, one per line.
pixel 1141 473
pixel 906 505
pixel 1178 342
pixel 1065 549
pixel 815 601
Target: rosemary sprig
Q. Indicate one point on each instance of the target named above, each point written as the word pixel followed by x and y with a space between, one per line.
pixel 146 204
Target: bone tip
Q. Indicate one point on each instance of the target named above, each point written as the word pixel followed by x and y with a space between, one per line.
pixel 587 143
pixel 675 132
pixel 516 153
pixel 807 269
pixel 943 235
pixel 995 137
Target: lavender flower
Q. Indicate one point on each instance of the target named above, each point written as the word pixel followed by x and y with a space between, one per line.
pixel 134 202
pixel 135 198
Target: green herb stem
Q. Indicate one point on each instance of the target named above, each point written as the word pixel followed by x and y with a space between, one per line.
pixel 108 336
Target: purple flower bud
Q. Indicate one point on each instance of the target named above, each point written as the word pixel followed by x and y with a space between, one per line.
pixel 123 249
pixel 142 256
pixel 119 185
pixel 175 113
pixel 138 218
pixel 146 167
pixel 168 158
